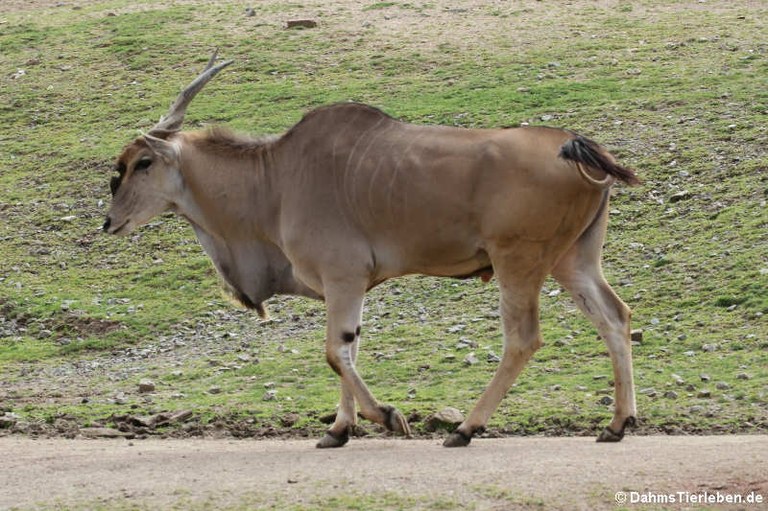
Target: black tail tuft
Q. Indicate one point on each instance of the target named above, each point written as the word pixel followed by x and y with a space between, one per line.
pixel 583 150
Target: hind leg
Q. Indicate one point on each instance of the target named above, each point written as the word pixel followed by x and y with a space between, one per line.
pixel 580 272
pixel 520 322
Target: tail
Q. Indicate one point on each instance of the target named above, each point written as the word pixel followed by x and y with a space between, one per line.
pixel 584 151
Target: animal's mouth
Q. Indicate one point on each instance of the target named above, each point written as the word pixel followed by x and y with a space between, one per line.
pixel 119 229
pixel 110 229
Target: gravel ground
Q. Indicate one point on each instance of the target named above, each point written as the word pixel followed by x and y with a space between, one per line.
pixel 513 473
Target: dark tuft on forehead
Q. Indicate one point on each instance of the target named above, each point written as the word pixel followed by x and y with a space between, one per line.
pixel 129 152
pixel 121 166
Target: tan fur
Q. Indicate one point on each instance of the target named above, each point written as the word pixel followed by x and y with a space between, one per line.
pixel 350 197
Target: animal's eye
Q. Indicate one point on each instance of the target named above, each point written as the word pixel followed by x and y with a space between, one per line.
pixel 114 184
pixel 143 164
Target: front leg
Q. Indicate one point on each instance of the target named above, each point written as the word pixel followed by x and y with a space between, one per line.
pixel 345 305
pixel 346 418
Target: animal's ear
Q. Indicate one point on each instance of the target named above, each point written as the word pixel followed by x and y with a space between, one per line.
pixel 167 151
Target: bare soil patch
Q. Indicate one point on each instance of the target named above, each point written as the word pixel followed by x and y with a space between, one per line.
pixel 513 473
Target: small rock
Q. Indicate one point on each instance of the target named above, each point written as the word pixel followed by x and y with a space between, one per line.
pixel 655 321
pixel 290 419
pixel 101 433
pixel 678 379
pixel 704 393
pixel 606 400
pixel 709 347
pixel 581 388
pixel 250 12
pixel 493 358
pixel 670 394
pixel 742 376
pixel 704 377
pixel 721 385
pixel 555 388
pixel 144 421
pixel 301 24
pixel 214 390
pixel 650 392
pixel 696 409
pixel 680 196
pixel 270 395
pixel 636 335
pixel 146 386
pixel 599 377
pixel 446 419
pixel 180 416
pixel 465 343
pixel 7 421
pixel 470 359
pixel 119 398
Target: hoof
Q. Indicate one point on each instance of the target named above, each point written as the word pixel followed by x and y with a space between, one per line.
pixel 457 439
pixel 331 440
pixel 395 421
pixel 609 435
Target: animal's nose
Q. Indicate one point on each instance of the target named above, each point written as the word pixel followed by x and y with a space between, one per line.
pixel 107 223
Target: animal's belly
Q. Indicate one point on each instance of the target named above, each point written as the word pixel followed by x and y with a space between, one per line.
pixel 440 260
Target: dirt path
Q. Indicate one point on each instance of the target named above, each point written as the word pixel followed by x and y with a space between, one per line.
pixel 512 473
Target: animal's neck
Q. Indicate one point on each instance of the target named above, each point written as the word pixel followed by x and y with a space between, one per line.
pixel 227 195
pixel 227 200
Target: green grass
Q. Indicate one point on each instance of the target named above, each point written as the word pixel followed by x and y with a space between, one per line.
pixel 678 94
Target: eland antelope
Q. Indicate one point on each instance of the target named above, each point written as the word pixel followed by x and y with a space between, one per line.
pixel 350 197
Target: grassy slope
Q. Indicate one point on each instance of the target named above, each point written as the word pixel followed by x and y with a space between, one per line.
pixel 677 93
